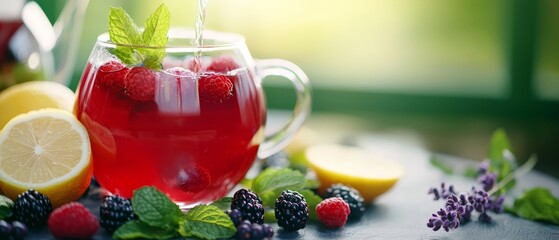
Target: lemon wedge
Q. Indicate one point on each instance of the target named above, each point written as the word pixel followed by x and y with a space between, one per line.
pixel 47 150
pixel 34 95
pixel 354 167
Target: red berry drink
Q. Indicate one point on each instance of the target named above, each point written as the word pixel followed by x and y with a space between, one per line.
pixel 191 135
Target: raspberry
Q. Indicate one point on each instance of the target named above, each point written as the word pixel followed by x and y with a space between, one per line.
pixel 222 64
pixel 291 210
pixel 114 212
pixel 140 83
pixel 193 179
pixel 73 221
pixel 249 204
pixel 351 196
pixel 32 208
pixel 214 88
pixel 333 212
pixel 111 76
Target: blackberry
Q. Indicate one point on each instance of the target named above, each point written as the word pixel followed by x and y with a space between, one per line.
pixel 351 196
pixel 236 216
pixel 32 208
pixel 254 231
pixel 114 212
pixel 5 229
pixel 292 211
pixel 249 204
pixel 19 230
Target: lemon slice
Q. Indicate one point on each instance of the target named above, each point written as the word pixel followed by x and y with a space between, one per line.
pixel 354 167
pixel 47 150
pixel 34 95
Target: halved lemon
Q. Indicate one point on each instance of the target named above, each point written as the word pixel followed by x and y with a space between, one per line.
pixel 34 95
pixel 47 150
pixel 354 167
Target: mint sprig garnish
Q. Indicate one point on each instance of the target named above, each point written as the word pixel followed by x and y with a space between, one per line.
pixel 140 47
pixel 155 209
pixel 160 218
pixel 207 222
pixel 537 204
pixel 269 184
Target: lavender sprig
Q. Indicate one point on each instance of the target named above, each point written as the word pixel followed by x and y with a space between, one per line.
pixel 443 193
pixel 458 209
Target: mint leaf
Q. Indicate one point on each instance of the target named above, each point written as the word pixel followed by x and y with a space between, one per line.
pixel 312 200
pixel 501 159
pixel 207 222
pixel 156 28
pixel 311 184
pixel 6 206
pixel 223 203
pixel 147 47
pixel 155 35
pixel 155 209
pixel 122 30
pixel 277 179
pixel 136 229
pixel 537 204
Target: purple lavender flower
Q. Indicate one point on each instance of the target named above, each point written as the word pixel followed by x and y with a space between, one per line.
pixel 458 209
pixel 444 193
pixel 487 180
pixel 447 219
pixel 483 167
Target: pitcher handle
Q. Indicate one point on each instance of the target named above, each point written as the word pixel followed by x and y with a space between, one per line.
pixel 282 68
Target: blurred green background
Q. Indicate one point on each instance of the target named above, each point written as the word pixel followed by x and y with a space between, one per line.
pixel 448 72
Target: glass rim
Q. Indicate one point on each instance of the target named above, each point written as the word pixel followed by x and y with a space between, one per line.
pixel 227 40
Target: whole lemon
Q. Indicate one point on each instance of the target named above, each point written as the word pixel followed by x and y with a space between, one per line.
pixel 34 95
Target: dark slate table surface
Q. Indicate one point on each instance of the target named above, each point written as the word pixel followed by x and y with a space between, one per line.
pixel 402 213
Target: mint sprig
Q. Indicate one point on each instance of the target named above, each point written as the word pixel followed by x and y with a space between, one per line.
pixel 160 218
pixel 501 158
pixel 140 47
pixel 272 181
pixel 155 209
pixel 537 204
pixel 207 222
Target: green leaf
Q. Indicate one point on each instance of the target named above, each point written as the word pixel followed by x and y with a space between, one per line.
pixel 122 30
pixel 6 206
pixel 155 35
pixel 136 229
pixel 501 159
pixel 207 222
pixel 223 203
pixel 155 209
pixel 277 179
pixel 435 162
pixel 270 216
pixel 247 183
pixel 311 184
pixel 312 200
pixel 148 45
pixel 156 28
pixel 537 204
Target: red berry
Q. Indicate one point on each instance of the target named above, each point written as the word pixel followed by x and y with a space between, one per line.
pixel 214 88
pixel 193 179
pixel 222 64
pixel 140 84
pixel 333 212
pixel 111 75
pixel 73 221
